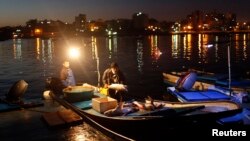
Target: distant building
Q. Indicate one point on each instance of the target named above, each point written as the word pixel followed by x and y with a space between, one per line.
pixel 119 25
pixel 195 21
pixel 80 23
pixel 140 21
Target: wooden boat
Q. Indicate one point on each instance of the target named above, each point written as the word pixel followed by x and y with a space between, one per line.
pixel 170 120
pixel 205 81
pixel 200 90
pixel 172 78
pixel 14 99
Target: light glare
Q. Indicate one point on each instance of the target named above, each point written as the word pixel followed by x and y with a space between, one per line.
pixel 74 52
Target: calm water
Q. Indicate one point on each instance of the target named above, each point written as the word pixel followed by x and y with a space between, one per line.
pixel 142 59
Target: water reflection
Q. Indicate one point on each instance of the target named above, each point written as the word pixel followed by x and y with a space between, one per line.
pixel 44 50
pixel 36 59
pixel 187 45
pixel 85 132
pixel 38 48
pixel 17 49
pixel 244 47
pixel 112 46
pixel 216 49
pixel 176 42
pixel 155 51
pixel 139 52
pixel 96 57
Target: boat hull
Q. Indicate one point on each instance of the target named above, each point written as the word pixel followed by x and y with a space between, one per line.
pixel 204 83
pixel 193 115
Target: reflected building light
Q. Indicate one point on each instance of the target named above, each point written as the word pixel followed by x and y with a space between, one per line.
pixel 17 49
pixel 154 40
pixel 115 44
pixel 155 52
pixel 139 52
pixel 204 48
pixel 93 47
pixel 216 49
pixel 38 48
pixel 216 53
pixel 43 58
pixel 185 46
pixel 237 48
pixel 175 45
pixel 50 52
pixel 189 46
pixel 110 47
pixel 96 57
pixel 244 47
pixel 200 45
pixel 42 52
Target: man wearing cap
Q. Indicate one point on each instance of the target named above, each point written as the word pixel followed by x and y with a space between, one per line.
pixel 66 75
pixel 113 75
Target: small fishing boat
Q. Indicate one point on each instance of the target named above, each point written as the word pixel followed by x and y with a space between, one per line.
pixel 185 91
pixel 206 80
pixel 14 99
pixel 171 79
pixel 196 86
pixel 173 118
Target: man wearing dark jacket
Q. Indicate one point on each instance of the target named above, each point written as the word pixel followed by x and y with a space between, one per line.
pixel 113 75
pixel 66 75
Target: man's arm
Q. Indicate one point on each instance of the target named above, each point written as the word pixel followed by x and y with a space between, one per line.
pixel 105 78
pixel 63 74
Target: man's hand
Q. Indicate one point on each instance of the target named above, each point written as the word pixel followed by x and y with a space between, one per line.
pixel 119 87
pixel 106 85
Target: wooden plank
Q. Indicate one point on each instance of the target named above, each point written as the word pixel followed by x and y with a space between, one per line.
pixel 61 117
pixel 69 116
pixel 52 119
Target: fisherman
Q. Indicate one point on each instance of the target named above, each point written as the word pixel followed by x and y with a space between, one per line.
pixel 66 75
pixel 113 75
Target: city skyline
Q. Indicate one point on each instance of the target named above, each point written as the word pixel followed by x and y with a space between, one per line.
pixel 17 12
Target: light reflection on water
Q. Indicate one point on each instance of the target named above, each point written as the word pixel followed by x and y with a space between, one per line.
pixel 28 125
pixel 142 58
pixel 85 132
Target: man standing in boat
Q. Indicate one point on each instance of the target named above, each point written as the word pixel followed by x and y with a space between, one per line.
pixel 113 75
pixel 66 75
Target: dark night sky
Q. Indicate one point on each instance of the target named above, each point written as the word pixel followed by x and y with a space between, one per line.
pixel 17 12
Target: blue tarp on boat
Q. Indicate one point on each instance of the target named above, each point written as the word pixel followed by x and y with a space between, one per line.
pixel 202 95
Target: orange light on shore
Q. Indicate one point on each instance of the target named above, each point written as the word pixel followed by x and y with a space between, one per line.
pixel 38 31
pixel 74 52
